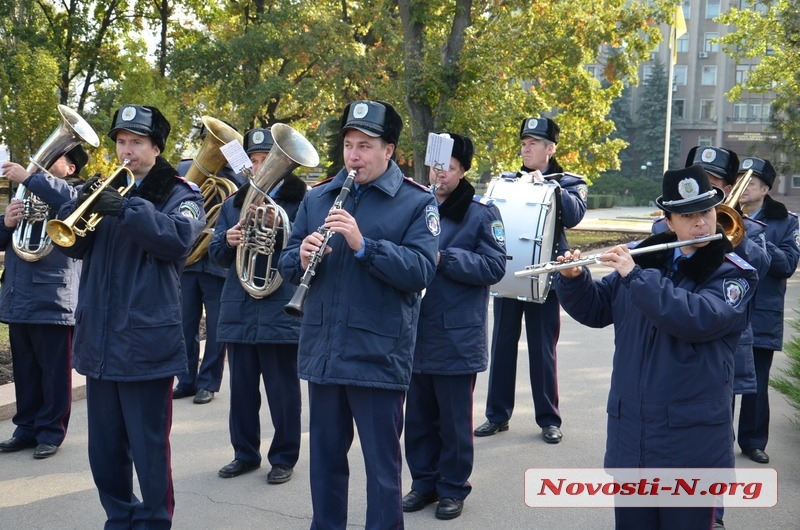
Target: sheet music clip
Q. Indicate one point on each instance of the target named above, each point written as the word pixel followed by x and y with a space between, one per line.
pixel 237 158
pixel 438 152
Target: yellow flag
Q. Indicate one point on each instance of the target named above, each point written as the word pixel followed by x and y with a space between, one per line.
pixel 678 30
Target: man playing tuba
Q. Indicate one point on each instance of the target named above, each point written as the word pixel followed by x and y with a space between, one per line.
pixel 37 301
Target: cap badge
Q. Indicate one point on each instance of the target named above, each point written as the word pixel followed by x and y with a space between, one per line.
pixel 360 110
pixel 533 123
pixel 688 188
pixel 258 137
pixel 128 113
pixel 708 155
pixel 747 163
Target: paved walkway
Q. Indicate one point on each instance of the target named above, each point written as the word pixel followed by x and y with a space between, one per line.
pixel 58 493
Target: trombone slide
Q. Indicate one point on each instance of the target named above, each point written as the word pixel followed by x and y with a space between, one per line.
pixel 552 266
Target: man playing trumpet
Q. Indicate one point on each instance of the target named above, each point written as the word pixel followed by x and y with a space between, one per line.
pixel 128 335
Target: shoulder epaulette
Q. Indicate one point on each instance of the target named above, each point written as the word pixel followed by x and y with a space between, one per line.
pixel 191 184
pixel 762 223
pixel 737 260
pixel 792 213
pixel 321 182
pixel 417 184
pixel 480 199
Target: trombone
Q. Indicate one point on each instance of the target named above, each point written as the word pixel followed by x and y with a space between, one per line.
pixel 65 233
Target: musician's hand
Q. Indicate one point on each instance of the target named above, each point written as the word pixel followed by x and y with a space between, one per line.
pixel 234 236
pixel 570 272
pixel 13 213
pixel 341 222
pixel 310 245
pixel 618 258
pixel 15 172
pixel 86 190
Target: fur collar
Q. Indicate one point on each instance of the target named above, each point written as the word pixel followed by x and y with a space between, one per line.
pixel 552 167
pixel 697 268
pixel 773 209
pixel 455 206
pixel 158 183
pixel 293 189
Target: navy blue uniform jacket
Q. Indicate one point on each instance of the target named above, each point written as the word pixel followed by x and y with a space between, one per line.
pixel 360 320
pixel 128 321
pixel 670 399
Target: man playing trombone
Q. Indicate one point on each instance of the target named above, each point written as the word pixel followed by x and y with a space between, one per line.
pixel 677 315
pixel 128 335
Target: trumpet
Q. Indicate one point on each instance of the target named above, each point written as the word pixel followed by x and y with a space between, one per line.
pixel 65 233
pixel 552 266
pixel 295 305
pixel 30 241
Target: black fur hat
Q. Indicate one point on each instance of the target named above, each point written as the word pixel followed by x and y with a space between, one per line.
pixel 373 118
pixel 141 120
pixel 463 150
pixel 688 190
pixel 540 128
pixel 719 162
pixel 77 155
pixel 762 168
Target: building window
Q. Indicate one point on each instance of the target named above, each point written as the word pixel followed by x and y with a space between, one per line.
pixel 596 71
pixel 679 74
pixel 712 8
pixel 709 76
pixel 710 41
pixel 751 112
pixel 683 44
pixel 646 71
pixel 796 181
pixel 742 73
pixel 708 110
pixel 704 141
pixel 686 5
pixel 677 108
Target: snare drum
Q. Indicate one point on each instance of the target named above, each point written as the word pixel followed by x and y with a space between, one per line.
pixel 529 216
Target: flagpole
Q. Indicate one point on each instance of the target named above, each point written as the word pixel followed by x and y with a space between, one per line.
pixel 677 30
pixel 671 71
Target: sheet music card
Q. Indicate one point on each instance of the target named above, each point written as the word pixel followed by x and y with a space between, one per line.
pixel 437 154
pixel 3 157
pixel 236 156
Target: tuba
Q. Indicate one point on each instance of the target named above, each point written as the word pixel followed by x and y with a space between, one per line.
pixel 30 240
pixel 82 221
pixel 203 171
pixel 257 274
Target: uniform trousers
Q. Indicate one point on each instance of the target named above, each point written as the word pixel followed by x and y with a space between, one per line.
pixel 129 425
pixel 41 357
pixel 542 326
pixel 663 518
pixel 438 434
pixel 378 415
pixel 199 289
pixel 276 365
pixel 754 414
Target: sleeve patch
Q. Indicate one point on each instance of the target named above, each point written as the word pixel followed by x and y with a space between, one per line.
pixel 734 290
pixel 432 220
pixel 499 232
pixel 583 191
pixel 190 209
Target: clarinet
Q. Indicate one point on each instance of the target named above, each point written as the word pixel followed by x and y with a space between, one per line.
pixel 295 305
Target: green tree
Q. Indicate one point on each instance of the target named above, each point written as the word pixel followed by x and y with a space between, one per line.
pixel 770 32
pixel 788 383
pixel 651 125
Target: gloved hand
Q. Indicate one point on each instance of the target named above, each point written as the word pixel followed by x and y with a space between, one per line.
pixel 110 202
pixel 86 189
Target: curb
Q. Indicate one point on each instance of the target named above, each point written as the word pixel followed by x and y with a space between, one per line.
pixel 8 399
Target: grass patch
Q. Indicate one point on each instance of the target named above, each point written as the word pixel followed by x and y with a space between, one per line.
pixel 586 240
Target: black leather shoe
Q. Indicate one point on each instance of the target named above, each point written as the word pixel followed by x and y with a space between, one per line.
pixel 279 474
pixel 182 392
pixel 449 508
pixel 45 451
pixel 415 500
pixel 15 444
pixel 203 396
pixel 718 525
pixel 236 468
pixel 551 434
pixel 757 455
pixel 489 428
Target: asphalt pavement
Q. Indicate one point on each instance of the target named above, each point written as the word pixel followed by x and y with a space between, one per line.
pixel 58 493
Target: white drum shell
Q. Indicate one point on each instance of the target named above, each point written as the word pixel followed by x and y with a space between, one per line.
pixel 529 216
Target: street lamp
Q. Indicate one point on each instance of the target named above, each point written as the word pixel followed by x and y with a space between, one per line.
pixel 646 168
